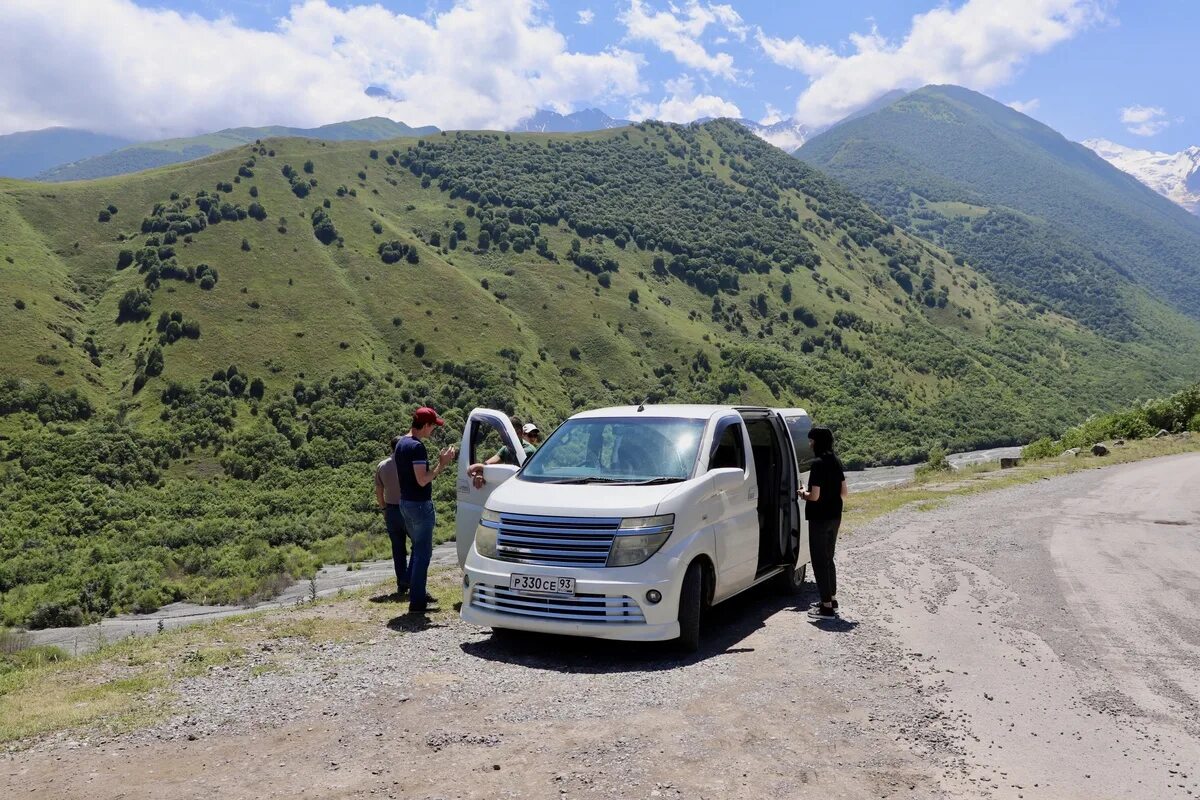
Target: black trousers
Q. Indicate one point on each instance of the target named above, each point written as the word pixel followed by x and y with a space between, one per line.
pixel 822 539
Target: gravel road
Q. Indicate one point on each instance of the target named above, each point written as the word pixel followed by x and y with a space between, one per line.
pixel 1034 642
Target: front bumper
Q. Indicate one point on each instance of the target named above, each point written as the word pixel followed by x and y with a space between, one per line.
pixel 602 607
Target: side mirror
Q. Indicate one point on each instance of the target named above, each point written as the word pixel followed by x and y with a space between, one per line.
pixel 727 479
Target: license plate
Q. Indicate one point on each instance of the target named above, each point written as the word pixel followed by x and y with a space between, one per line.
pixel 551 584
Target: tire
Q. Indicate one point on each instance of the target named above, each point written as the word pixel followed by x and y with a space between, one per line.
pixel 792 581
pixel 691 602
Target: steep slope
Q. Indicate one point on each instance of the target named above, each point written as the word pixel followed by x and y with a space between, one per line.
pixel 251 328
pixel 1175 176
pixel 989 182
pixel 147 155
pixel 25 154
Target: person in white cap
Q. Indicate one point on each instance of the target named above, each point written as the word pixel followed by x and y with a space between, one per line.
pixel 533 438
pixel 530 438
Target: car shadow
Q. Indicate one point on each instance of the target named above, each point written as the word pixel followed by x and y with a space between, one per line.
pixel 724 627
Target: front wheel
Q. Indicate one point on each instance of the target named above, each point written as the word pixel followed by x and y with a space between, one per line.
pixel 792 580
pixel 691 600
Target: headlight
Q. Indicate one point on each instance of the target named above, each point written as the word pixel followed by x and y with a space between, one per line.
pixel 485 533
pixel 639 538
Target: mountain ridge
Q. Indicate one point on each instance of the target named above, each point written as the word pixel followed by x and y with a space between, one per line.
pixel 948 146
pixel 24 154
pixel 159 153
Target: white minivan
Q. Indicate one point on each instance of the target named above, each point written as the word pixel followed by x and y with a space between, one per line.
pixel 629 522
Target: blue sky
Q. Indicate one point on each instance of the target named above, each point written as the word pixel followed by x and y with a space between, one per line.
pixel 1089 68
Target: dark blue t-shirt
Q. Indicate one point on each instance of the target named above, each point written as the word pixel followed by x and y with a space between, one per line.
pixel 412 451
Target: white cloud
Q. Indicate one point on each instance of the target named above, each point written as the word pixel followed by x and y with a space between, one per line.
pixel 771 116
pixel 980 44
pixel 677 31
pixel 684 104
pixel 1144 120
pixel 586 16
pixel 111 66
pixel 1025 106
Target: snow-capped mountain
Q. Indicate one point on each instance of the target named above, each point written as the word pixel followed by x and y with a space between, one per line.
pixel 1173 175
pixel 786 134
pixel 546 121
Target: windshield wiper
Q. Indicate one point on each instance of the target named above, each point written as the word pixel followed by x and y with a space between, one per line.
pixel 656 480
pixel 592 479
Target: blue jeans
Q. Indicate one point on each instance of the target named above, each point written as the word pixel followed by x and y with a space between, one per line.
pixel 418 519
pixel 394 521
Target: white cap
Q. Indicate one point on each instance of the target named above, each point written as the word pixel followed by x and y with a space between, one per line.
pixel 529 427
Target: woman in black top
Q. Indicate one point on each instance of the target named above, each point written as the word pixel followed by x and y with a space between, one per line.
pixel 823 510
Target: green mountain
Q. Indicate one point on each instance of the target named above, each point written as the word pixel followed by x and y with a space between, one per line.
pixel 202 362
pixel 26 153
pixel 147 155
pixel 1047 219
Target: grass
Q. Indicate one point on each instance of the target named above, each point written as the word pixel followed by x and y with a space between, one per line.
pixel 130 684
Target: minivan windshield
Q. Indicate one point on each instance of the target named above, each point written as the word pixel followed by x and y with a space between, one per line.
pixel 627 450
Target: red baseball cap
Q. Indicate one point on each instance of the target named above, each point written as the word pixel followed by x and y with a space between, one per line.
pixel 425 415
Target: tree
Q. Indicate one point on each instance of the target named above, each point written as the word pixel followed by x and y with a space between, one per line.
pixel 134 305
pixel 124 259
pixel 323 227
pixel 256 211
pixel 257 389
pixel 633 296
pixel 308 166
pixel 154 362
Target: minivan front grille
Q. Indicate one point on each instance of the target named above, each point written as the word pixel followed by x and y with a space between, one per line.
pixel 577 608
pixel 554 541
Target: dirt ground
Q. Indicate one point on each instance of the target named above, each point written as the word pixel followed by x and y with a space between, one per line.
pixel 1039 642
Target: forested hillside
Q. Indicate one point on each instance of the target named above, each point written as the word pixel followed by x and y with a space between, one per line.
pixel 1047 219
pixel 202 362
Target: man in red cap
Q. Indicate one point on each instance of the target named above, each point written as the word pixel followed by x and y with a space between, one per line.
pixel 416 503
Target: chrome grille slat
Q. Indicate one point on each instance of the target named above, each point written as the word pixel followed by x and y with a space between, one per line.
pixel 548 552
pixel 576 608
pixel 555 541
pixel 559 541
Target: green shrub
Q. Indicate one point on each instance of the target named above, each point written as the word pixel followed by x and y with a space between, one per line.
pixel 1042 448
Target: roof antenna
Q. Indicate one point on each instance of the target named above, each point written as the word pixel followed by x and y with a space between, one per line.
pixel 642 405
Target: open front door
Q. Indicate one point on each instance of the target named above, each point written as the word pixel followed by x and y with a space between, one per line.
pixel 486 432
pixel 799 423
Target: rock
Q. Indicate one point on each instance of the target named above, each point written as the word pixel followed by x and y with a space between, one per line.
pixel 1119 443
pixel 1099 449
pixel 1074 451
pixel 1009 463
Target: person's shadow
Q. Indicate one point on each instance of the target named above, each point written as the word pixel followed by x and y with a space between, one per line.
pixel 411 623
pixel 833 624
